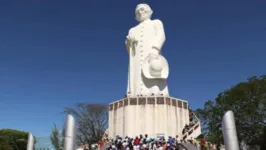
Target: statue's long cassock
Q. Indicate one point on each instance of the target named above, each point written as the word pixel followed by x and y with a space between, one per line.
pixel 149 33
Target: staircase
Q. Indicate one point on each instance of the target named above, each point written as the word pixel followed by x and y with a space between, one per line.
pixel 193 131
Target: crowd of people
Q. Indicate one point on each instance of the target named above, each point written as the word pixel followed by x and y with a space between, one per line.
pixel 143 143
pixel 146 143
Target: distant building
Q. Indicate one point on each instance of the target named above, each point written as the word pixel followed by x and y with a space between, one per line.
pixel 43 143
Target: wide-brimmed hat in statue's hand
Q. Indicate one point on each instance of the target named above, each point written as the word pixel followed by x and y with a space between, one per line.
pixel 155 68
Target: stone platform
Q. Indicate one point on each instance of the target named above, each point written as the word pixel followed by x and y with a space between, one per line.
pixel 155 116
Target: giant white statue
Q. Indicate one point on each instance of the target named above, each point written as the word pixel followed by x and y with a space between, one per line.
pixel 148 69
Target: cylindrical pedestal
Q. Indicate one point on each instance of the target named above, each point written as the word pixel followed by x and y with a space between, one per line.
pixel 30 144
pixel 70 133
pixel 155 116
pixel 229 131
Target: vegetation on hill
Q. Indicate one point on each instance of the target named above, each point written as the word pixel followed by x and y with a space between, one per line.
pixel 248 102
pixel 13 139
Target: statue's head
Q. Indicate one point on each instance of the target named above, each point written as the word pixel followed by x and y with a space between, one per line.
pixel 143 12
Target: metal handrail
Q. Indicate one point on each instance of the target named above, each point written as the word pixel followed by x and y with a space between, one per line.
pixel 192 128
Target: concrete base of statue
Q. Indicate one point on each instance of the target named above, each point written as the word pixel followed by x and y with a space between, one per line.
pixel 155 116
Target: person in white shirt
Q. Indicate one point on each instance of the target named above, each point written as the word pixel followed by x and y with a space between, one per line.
pixel 136 147
pixel 177 140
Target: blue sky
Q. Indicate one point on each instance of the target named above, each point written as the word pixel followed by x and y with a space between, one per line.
pixel 55 53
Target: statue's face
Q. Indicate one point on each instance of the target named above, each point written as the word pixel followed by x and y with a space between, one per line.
pixel 143 12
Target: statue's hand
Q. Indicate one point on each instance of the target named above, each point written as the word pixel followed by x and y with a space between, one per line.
pixel 130 39
pixel 127 41
pixel 153 57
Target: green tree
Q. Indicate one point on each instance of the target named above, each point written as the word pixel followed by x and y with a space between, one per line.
pixel 16 139
pixel 263 139
pixel 57 138
pixel 4 144
pixel 210 118
pixel 91 121
pixel 248 102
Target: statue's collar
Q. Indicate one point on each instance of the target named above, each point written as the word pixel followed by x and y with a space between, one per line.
pixel 146 21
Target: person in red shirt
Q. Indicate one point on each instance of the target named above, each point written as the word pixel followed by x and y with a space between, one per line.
pixel 137 140
pixel 202 143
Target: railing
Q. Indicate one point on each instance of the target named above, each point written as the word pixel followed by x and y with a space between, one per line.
pixel 190 131
pixel 193 128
